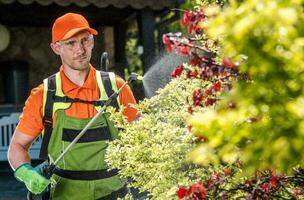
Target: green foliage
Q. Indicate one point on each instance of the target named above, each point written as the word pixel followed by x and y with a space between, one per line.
pixel 260 121
pixel 190 4
pixel 133 58
pixel 209 2
pixel 153 150
pixel 266 123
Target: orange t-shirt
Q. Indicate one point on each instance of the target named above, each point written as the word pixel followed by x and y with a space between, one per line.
pixel 31 119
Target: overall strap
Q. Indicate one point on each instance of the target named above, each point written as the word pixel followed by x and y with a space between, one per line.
pixel 49 90
pixel 109 83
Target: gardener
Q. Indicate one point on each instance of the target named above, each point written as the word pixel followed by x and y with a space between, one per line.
pixel 61 107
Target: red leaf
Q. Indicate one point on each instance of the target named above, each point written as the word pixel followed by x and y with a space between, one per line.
pixel 197 29
pixel 197 97
pixel 224 196
pixel 204 75
pixel 192 74
pixel 273 179
pixel 210 102
pixel 190 27
pixel 166 39
pixel 297 191
pixel 184 19
pixel 227 63
pixel 216 86
pixel 206 45
pixel 215 176
pixel 195 61
pixel 208 92
pixel 177 71
pixel 167 42
pixel 169 48
pixel 183 50
pixel 266 188
pixel 181 192
pixel 227 172
pixel 190 110
pixel 199 190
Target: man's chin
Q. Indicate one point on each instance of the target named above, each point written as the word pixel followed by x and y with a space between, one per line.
pixel 81 67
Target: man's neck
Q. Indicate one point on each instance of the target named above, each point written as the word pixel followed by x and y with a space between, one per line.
pixel 78 77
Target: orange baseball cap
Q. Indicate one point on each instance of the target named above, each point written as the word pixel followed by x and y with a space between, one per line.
pixel 68 25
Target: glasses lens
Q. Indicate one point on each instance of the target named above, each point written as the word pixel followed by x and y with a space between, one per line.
pixel 74 44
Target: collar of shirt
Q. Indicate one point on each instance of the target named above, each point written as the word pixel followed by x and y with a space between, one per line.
pixel 68 85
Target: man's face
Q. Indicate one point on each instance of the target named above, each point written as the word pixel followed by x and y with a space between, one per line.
pixel 76 51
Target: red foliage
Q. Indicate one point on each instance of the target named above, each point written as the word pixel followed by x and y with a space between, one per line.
pixel 192 73
pixel 189 127
pixel 177 71
pixel 197 97
pixel 195 192
pixel 227 63
pixel 204 66
pixel 168 43
pixel 216 86
pixel 266 188
pixel 208 92
pixel 183 50
pixel 190 109
pixel 227 171
pixel 192 19
pixel 298 191
pixel 182 192
pixel 273 179
pixel 210 102
pixel 195 61
pixel 215 177
pixel 199 191
pixel 186 18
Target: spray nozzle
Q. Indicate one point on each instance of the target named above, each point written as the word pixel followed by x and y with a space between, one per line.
pixel 133 76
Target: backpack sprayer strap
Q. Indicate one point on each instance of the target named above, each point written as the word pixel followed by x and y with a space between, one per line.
pixel 48 117
pixel 67 99
pixel 105 77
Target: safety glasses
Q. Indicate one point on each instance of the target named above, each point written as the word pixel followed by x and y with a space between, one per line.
pixel 73 44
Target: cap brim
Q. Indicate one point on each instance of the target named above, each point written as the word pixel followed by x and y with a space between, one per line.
pixel 77 30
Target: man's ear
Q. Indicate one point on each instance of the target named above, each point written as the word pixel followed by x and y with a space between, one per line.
pixel 56 48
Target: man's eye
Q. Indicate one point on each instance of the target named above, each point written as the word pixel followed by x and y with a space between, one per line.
pixel 70 44
pixel 85 40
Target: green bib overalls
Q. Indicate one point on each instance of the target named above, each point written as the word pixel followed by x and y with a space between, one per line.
pixel 82 173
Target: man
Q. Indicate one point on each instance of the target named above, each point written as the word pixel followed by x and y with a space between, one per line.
pixel 60 108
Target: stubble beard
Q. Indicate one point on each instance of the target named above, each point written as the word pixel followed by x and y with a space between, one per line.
pixel 77 65
pixel 82 67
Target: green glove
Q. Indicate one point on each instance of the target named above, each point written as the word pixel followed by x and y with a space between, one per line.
pixel 32 177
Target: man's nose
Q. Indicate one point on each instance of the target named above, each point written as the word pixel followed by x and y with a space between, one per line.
pixel 79 48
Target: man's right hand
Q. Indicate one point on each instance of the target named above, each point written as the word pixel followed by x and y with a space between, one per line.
pixel 32 177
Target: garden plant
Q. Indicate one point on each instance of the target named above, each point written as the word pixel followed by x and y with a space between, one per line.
pixel 230 123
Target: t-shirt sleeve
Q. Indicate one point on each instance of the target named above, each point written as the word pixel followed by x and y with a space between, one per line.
pixel 30 121
pixel 127 99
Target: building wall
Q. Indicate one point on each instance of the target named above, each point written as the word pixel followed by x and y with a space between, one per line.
pixel 32 45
